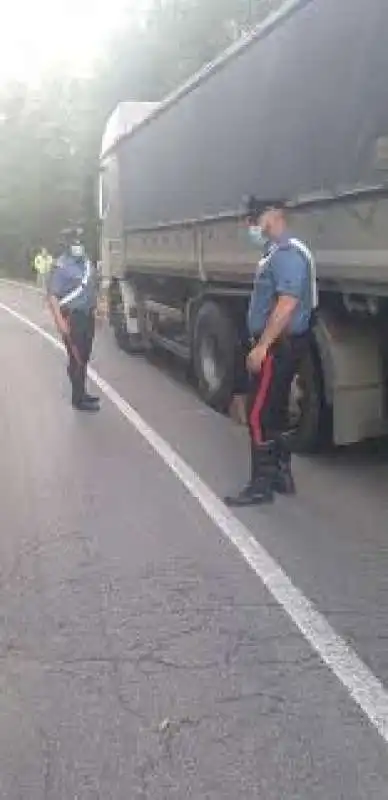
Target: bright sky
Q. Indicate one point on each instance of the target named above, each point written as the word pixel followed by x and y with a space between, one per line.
pixel 37 35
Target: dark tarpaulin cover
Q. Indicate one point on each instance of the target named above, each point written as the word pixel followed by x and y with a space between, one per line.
pixel 297 111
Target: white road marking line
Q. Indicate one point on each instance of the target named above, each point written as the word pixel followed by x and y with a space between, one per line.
pixel 365 689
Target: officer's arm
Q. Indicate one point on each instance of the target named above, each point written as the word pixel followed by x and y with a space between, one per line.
pixel 59 319
pixel 53 301
pixel 279 320
pixel 289 273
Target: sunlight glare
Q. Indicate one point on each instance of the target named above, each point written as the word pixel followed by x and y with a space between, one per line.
pixel 37 36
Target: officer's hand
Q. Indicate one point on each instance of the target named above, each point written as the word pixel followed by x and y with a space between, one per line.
pixel 62 325
pixel 256 358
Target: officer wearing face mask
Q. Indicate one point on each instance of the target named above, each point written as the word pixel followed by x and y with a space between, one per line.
pixel 72 296
pixel 280 316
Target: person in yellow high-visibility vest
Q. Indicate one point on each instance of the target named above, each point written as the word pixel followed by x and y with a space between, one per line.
pixel 42 265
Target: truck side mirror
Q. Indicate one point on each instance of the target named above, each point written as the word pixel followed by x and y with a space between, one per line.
pixel 381 154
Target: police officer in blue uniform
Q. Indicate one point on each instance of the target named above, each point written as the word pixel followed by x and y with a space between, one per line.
pixel 280 316
pixel 72 295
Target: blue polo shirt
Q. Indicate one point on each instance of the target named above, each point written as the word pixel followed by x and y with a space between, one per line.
pixel 66 276
pixel 284 270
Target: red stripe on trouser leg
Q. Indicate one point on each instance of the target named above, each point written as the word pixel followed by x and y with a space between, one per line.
pixel 265 380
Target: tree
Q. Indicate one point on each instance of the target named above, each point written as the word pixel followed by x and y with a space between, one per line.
pixel 50 138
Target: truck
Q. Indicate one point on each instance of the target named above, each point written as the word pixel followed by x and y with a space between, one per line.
pixel 297 110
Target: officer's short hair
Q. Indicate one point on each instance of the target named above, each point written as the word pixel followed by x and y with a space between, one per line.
pixel 70 235
pixel 254 207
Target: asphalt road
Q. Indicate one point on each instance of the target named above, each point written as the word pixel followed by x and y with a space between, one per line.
pixel 141 657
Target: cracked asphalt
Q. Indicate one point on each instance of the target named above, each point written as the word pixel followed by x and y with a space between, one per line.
pixel 140 657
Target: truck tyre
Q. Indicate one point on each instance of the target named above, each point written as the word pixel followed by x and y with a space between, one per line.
pixel 214 352
pixel 309 415
pixel 124 316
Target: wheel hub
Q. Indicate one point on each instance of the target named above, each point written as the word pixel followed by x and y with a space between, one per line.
pixel 295 402
pixel 210 364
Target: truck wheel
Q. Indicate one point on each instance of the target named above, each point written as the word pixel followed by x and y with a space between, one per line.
pixel 125 318
pixel 214 349
pixel 309 416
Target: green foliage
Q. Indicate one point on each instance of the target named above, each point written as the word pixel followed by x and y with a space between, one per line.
pixel 49 138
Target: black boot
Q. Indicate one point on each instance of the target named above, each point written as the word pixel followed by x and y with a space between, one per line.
pixel 91 398
pixel 259 490
pixel 85 405
pixel 254 494
pixel 81 401
pixel 283 482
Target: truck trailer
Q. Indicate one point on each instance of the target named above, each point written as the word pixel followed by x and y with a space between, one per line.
pixel 298 110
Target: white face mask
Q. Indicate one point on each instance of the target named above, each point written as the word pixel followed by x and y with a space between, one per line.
pixel 77 251
pixel 256 235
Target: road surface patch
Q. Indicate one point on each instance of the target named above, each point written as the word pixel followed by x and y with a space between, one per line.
pixel 364 688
